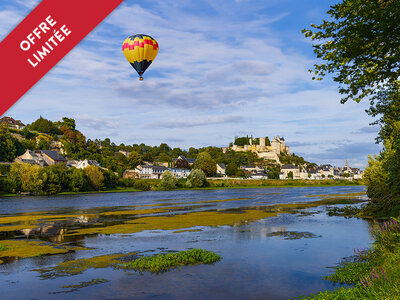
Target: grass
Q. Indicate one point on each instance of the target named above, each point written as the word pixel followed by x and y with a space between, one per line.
pixel 165 262
pixel 374 273
pixel 3 248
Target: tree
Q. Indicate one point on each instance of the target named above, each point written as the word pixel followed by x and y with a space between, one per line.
pixel 45 126
pixel 134 159
pixel 231 169
pixel 205 163
pixel 359 46
pixel 53 179
pixel 168 181
pixel 76 180
pixel 8 145
pixel 68 122
pixel 27 178
pixel 196 178
pixel 95 177
pixel 43 144
pixel 240 173
pixel 290 175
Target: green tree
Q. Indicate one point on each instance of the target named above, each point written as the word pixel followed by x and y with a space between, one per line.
pixel 231 169
pixel 45 126
pixel 43 144
pixel 205 162
pixel 76 180
pixel 240 173
pixel 27 178
pixel 134 159
pixel 8 145
pixel 196 178
pixel 290 175
pixel 68 122
pixel 359 46
pixel 168 181
pixel 53 179
pixel 95 177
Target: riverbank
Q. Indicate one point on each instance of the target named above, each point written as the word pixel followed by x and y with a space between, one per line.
pixel 373 273
pixel 214 184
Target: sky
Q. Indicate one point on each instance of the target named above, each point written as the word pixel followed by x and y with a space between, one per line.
pixel 225 68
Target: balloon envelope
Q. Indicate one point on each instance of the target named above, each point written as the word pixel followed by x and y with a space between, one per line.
pixel 140 50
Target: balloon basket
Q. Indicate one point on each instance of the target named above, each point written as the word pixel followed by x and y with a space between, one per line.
pixel 140 78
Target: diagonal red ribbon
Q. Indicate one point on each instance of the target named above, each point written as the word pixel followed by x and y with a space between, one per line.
pixel 42 39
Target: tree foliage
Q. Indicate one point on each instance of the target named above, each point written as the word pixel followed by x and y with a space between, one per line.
pixel 359 46
pixel 196 178
pixel 205 163
pixel 45 126
pixel 95 177
pixel 168 181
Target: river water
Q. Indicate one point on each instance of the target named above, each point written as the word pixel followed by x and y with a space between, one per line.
pixel 276 243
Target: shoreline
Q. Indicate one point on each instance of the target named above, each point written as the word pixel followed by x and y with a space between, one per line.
pixel 290 184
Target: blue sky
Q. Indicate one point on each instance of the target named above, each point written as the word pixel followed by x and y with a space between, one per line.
pixel 225 68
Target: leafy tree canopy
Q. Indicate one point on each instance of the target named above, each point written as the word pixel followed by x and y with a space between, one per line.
pixel 359 46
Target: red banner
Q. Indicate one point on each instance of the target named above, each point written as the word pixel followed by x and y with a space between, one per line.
pixel 42 39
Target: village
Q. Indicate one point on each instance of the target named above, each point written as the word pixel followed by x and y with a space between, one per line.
pixel 269 151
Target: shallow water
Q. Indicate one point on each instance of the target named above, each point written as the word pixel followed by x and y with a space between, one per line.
pixel 271 248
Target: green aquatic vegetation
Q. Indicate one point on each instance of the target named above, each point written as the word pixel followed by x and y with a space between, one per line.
pixel 75 287
pixel 165 262
pixel 179 221
pixel 28 248
pixel 94 281
pixel 294 235
pixel 374 273
pixel 3 248
pixel 347 211
pixel 78 266
pixel 187 230
pixel 339 195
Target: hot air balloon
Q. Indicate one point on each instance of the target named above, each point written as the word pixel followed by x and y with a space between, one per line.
pixel 140 50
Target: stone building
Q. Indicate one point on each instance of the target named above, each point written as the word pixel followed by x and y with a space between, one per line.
pixel 267 152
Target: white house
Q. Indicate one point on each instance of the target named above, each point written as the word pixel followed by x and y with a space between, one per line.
pixel 82 164
pixel 179 173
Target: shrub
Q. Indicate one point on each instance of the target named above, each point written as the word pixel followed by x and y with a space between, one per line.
pixel 168 181
pixel 142 185
pixel 196 178
pixel 95 177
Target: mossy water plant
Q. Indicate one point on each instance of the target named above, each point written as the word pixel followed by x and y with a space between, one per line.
pixel 164 262
pixel 78 266
pixel 294 235
pixel 348 211
pixel 29 248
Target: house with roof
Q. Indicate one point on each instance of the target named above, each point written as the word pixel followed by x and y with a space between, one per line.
pixel 82 164
pixel 299 172
pixel 181 161
pixel 11 123
pixel 179 173
pixel 221 168
pixel 53 157
pixel 41 158
pixel 150 171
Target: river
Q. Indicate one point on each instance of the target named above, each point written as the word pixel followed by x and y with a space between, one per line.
pixel 276 243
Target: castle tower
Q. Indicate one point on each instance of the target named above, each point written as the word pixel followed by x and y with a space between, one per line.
pixel 262 141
